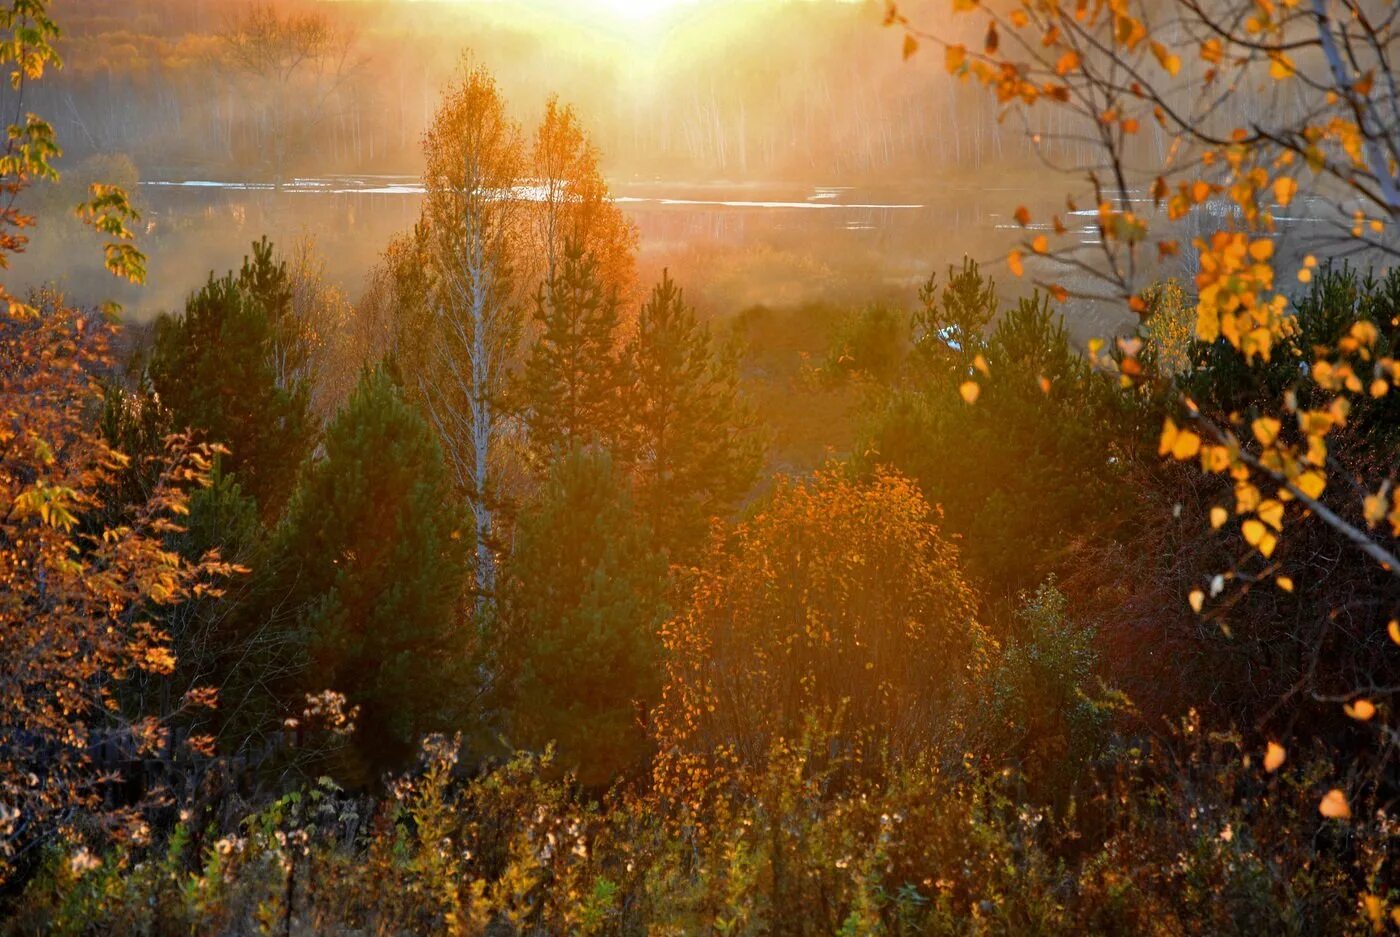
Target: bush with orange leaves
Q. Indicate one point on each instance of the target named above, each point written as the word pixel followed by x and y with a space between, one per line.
pixel 79 597
pixel 836 604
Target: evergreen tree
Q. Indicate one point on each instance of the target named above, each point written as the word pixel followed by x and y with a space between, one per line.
pixel 571 377
pixel 952 324
pixel 372 553
pixel 583 600
pixel 693 440
pixel 226 367
pixel 1044 424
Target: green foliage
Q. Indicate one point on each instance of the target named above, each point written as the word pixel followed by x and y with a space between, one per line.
pixel 1028 468
pixel 1169 326
pixel 873 342
pixel 691 438
pixel 226 368
pixel 956 320
pixel 1045 716
pixel 135 423
pixel 583 598
pixel 572 381
pixel 372 559
pixel 1179 840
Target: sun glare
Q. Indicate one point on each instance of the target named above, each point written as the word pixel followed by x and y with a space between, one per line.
pixel 632 11
pixel 635 18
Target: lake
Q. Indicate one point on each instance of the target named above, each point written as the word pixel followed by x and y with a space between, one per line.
pixel 731 245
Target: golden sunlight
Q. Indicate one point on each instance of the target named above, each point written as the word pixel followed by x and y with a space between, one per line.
pixel 613 14
pixel 631 11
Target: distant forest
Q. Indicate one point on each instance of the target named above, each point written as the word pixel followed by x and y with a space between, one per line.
pixel 728 97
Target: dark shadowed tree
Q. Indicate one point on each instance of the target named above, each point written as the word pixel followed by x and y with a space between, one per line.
pixel 571 384
pixel 691 437
pixel 228 367
pixel 372 555
pixel 583 599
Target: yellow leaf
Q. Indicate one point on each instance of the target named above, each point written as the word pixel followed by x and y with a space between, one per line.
pixel 980 363
pixel 1218 516
pixel 911 45
pixel 1274 757
pixel 1394 630
pixel 1253 531
pixel 1334 805
pixel 1281 66
pixel 1284 583
pixel 1284 190
pixel 1374 906
pixel 1271 513
pixel 1362 710
pixel 1186 445
pixel 1310 484
pixel 954 58
pixel 1259 536
pixel 1373 508
pixel 1197 598
pixel 1266 430
pixel 970 391
pixel 1170 62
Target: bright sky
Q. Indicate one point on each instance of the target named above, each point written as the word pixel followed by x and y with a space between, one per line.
pixel 635 11
pixel 639 23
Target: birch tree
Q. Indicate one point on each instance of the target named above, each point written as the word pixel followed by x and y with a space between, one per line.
pixel 1325 147
pixel 471 232
pixel 573 204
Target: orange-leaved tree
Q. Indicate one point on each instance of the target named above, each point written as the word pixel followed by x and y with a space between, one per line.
pixel 1202 128
pixel 80 599
pixel 79 595
pixel 573 204
pixel 836 608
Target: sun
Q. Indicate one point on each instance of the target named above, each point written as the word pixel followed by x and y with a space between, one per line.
pixel 632 11
pixel 637 17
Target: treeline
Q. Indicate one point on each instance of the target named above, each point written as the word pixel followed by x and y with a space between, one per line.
pixel 730 93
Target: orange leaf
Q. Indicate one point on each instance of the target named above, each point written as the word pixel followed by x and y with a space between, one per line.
pixel 1334 805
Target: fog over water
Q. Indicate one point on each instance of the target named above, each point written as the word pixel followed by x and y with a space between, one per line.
pixel 732 245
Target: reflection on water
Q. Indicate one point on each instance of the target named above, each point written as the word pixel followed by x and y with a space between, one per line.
pixel 818 235
pixel 731 244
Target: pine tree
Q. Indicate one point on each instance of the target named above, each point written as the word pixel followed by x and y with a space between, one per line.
pixel 227 368
pixel 583 599
pixel 571 380
pixel 692 439
pixel 372 552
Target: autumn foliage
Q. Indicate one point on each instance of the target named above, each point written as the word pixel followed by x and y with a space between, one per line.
pixel 81 599
pixel 837 602
pixel 537 629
